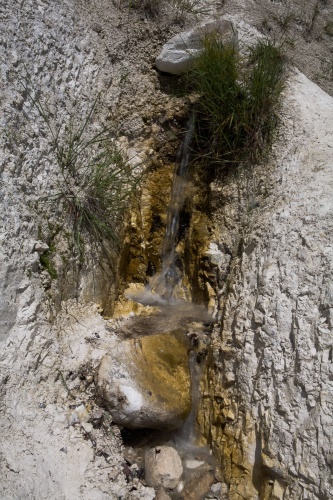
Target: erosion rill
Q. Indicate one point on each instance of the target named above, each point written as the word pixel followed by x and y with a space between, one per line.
pixel 159 363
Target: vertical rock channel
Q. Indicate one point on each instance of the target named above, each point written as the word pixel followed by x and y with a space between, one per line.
pixel 151 382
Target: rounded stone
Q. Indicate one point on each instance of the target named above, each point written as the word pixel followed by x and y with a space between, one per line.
pixel 163 467
pixel 145 382
pixel 177 54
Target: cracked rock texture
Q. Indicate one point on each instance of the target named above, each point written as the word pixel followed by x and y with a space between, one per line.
pixel 268 396
pixel 68 52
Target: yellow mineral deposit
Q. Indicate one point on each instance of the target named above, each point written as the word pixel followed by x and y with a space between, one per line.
pixel 162 369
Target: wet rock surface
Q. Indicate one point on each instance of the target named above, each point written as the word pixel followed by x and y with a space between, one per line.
pixel 269 387
pixel 145 382
pixel 198 483
pixel 162 494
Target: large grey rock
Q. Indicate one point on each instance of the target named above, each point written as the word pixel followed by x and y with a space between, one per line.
pixel 178 53
pixel 145 383
pixel 163 467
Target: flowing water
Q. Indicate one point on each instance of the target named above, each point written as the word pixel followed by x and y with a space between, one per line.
pixel 188 433
pixel 159 292
pixel 163 283
pixel 175 312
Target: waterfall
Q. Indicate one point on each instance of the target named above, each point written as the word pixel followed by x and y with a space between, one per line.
pixel 188 432
pixel 175 312
pixel 164 282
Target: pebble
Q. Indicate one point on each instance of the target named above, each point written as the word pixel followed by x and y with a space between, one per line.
pixel 163 467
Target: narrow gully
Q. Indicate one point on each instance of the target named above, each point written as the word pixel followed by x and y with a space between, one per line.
pixel 194 321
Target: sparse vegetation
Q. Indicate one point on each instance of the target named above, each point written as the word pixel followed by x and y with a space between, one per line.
pixel 152 7
pixel 285 20
pixel 47 264
pixel 311 22
pixel 237 100
pixel 328 28
pixel 183 7
pixel 94 182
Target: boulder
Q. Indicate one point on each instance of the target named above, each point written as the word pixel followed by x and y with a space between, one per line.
pixel 40 247
pixel 177 54
pixel 145 382
pixel 163 467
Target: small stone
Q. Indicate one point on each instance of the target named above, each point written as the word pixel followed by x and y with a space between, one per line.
pixel 193 464
pixel 73 419
pixel 87 427
pixel 230 377
pixel 163 467
pixel 79 415
pixel 216 489
pixel 180 487
pixel 162 494
pixel 40 247
pixel 97 418
pixel 258 317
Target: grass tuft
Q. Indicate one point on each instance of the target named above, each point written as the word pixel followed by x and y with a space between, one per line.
pixel 94 181
pixel 284 21
pixel 46 263
pixel 237 101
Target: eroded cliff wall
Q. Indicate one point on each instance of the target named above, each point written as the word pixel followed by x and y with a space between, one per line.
pixel 268 394
pixel 268 391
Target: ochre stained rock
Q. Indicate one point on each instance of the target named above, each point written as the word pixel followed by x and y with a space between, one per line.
pixel 145 382
pixel 126 307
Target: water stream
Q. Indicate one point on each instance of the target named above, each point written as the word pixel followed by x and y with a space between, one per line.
pixel 160 291
pixel 164 282
pixel 177 313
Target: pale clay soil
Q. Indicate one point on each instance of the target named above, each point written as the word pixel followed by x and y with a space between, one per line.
pixel 72 51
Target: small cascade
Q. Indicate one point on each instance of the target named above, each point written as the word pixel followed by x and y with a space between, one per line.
pixel 163 283
pixel 193 321
pixel 188 433
pixel 176 312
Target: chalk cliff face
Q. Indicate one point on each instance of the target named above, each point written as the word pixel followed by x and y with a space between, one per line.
pixel 267 393
pixel 269 378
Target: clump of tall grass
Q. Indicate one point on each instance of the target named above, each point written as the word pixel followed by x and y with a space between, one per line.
pixel 194 7
pixel 94 181
pixel 237 100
